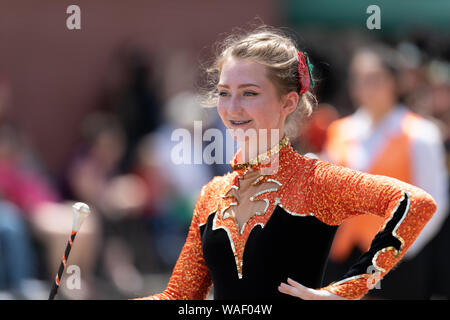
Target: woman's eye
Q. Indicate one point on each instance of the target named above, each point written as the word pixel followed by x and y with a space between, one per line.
pixel 246 93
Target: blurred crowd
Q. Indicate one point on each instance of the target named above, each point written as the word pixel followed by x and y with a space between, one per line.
pixel 396 122
pixel 399 127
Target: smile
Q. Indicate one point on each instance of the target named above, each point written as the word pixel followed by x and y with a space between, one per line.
pixel 237 123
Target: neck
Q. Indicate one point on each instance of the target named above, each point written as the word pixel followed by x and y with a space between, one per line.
pixel 251 148
pixel 266 159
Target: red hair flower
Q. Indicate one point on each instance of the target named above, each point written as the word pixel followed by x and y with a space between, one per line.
pixel 304 72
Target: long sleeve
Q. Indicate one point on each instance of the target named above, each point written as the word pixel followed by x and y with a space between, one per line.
pixel 337 193
pixel 190 279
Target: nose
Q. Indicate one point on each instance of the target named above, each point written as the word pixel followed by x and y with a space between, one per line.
pixel 235 105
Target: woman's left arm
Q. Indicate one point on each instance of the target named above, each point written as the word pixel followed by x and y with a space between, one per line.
pixel 336 193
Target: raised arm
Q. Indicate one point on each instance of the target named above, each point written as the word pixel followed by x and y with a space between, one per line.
pixel 190 278
pixel 337 193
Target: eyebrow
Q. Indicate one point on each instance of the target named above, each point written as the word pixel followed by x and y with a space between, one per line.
pixel 240 86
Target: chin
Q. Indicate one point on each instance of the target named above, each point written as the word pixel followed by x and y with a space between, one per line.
pixel 243 133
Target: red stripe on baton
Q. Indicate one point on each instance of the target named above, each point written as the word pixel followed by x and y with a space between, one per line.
pixel 70 239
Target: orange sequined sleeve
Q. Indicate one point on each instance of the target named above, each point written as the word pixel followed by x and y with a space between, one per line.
pixel 190 279
pixel 337 193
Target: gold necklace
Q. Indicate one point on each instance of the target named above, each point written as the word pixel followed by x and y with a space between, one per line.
pixel 262 158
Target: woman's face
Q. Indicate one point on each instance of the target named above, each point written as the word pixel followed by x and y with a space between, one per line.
pixel 249 100
pixel 371 85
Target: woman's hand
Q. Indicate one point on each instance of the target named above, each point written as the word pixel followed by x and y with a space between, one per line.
pixel 297 290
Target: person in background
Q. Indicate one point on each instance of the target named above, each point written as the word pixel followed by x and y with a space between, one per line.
pixel 132 94
pixel 177 181
pixel 384 137
pixel 16 263
pixel 93 176
pixel 34 221
pixel 438 73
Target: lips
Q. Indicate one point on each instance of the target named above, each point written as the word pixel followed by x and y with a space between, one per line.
pixel 239 122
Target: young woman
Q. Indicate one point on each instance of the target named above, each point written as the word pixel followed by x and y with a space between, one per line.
pixel 264 230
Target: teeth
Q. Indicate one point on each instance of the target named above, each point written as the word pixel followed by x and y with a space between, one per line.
pixel 239 122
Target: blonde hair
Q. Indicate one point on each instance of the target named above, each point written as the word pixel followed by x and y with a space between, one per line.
pixel 275 50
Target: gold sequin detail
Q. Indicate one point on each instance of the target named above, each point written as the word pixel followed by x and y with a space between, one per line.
pixel 260 160
pixel 308 187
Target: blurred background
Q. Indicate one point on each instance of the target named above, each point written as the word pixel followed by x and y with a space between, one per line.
pixel 87 115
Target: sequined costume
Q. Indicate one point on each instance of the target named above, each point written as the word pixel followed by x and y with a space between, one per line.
pixel 294 204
